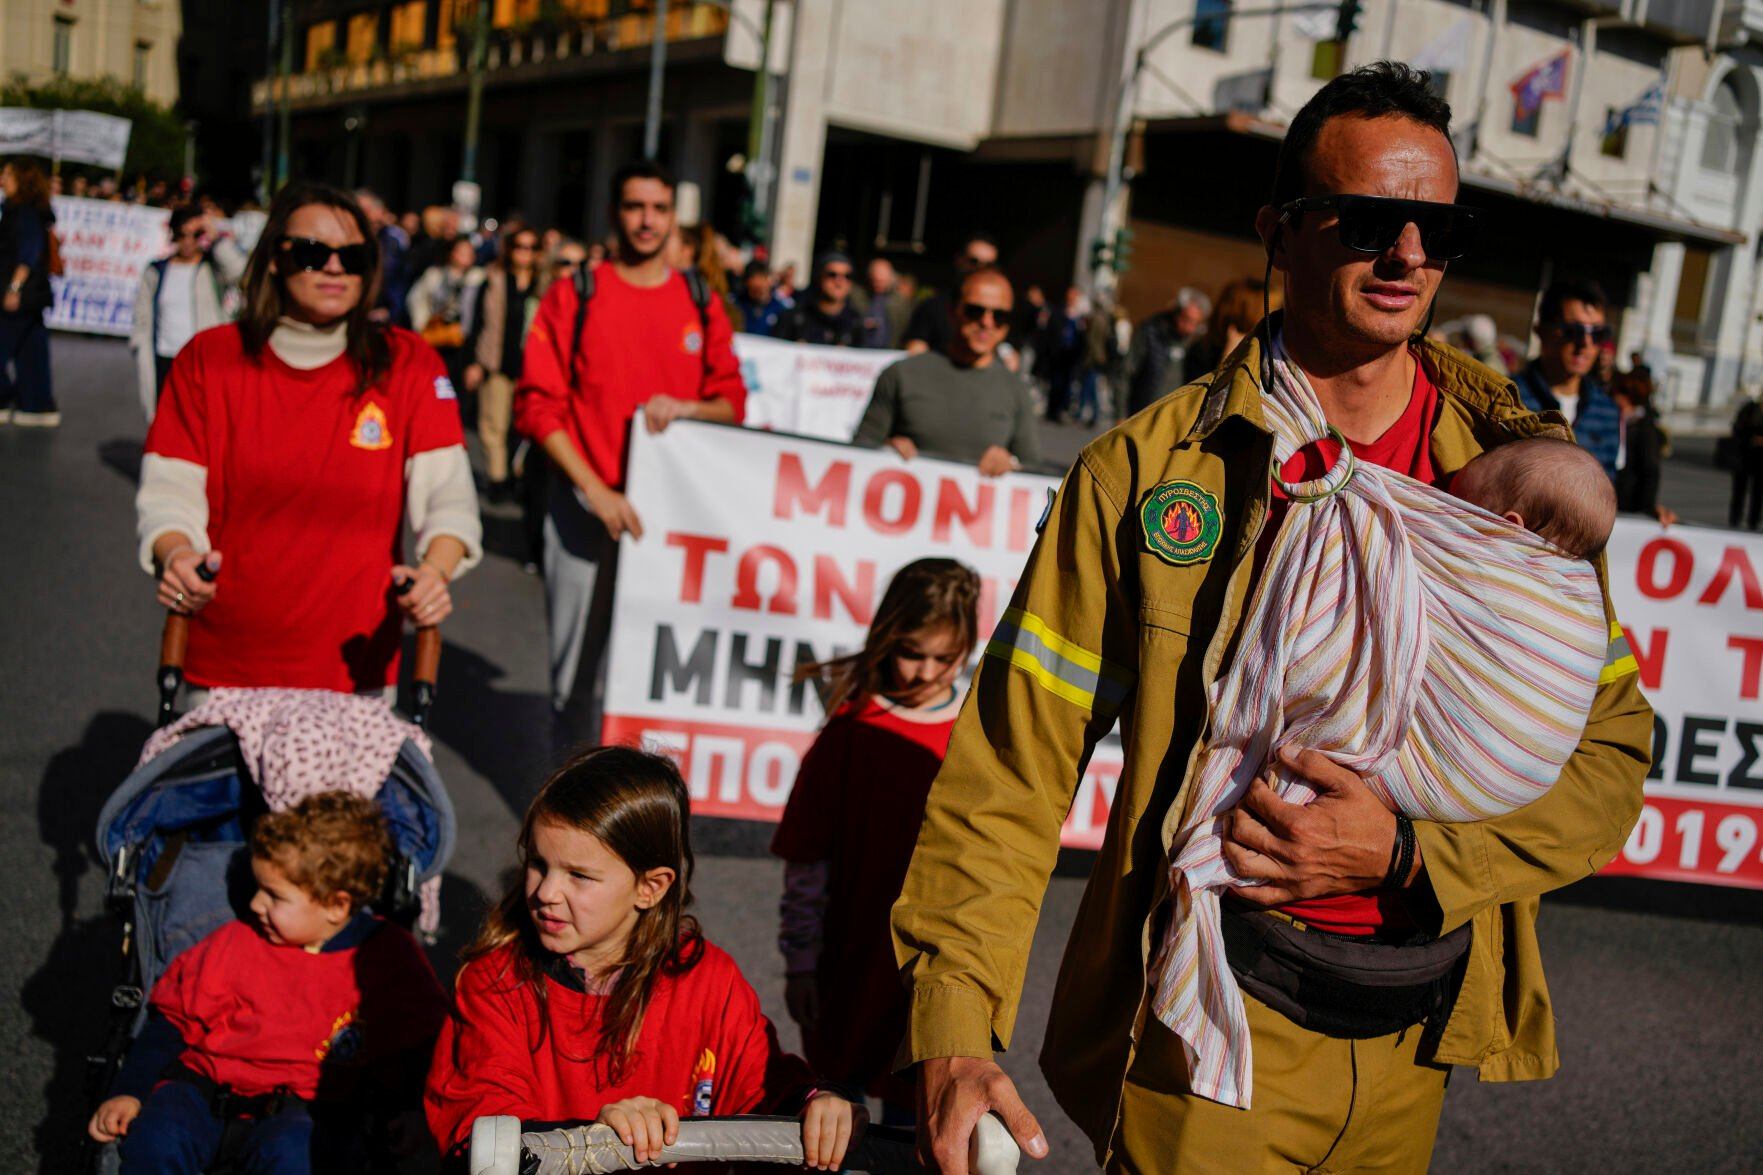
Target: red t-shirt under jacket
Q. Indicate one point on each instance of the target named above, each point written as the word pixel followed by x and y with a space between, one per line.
pixel 305 504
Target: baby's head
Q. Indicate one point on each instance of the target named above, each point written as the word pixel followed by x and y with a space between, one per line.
pixel 316 864
pixel 1553 488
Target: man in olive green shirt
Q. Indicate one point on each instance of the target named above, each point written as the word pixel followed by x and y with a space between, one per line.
pixel 964 404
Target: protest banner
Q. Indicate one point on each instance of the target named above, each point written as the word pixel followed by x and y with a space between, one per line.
pixel 806 389
pixel 761 552
pixel 1691 604
pixel 104 247
pixel 26 130
pixel 105 244
pixel 73 136
pixel 764 551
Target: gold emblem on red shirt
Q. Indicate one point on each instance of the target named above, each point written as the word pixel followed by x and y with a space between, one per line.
pixel 371 431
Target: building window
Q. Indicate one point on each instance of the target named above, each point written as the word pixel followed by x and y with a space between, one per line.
pixel 409 26
pixel 1615 140
pixel 364 36
pixel 1692 293
pixel 1720 141
pixel 143 56
pixel 62 59
pixel 321 43
pixel 1212 24
pixel 1326 59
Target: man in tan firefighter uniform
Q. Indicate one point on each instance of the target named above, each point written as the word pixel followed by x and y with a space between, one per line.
pixel 1128 610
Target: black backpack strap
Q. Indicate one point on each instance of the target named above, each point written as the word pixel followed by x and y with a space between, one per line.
pixel 584 290
pixel 700 291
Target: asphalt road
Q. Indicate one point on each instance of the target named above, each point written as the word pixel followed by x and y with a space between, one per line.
pixel 1656 987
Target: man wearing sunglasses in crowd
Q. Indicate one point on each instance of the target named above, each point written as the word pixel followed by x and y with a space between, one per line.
pixel 1562 378
pixel 1127 610
pixel 827 317
pixel 961 403
pixel 929 328
pixel 186 292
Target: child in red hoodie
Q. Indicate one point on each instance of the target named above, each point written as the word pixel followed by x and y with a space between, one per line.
pixel 289 1023
pixel 849 829
pixel 590 993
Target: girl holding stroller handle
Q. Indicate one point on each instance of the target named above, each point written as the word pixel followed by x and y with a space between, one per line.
pixel 848 831
pixel 591 993
pixel 289 451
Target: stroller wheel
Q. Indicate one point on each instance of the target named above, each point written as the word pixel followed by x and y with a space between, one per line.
pixel 495 1146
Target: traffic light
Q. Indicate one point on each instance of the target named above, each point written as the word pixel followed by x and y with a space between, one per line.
pixel 1122 259
pixel 1101 254
pixel 1347 21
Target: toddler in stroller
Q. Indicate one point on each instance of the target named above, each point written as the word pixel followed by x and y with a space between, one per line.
pixel 273 1039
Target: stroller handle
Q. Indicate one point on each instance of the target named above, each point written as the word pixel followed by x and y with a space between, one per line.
pixel 174 642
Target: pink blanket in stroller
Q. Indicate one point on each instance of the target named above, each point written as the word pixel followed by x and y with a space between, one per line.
pixel 299 742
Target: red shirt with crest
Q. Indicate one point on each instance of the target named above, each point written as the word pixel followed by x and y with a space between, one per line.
pixel 305 504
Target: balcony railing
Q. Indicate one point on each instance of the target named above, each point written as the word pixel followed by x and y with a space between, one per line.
pixel 505 49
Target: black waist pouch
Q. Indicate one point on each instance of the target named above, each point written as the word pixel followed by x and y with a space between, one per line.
pixel 1337 984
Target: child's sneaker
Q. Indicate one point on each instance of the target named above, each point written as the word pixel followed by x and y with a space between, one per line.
pixel 37 419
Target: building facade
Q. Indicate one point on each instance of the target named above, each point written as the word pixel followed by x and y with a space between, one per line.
pixel 135 41
pixel 1615 140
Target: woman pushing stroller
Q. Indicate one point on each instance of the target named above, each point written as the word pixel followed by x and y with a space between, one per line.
pixel 289 450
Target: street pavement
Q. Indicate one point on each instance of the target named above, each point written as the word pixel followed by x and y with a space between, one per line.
pixel 1658 1002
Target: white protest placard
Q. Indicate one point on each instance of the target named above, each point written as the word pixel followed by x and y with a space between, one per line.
pixel 1691 604
pixel 85 136
pixel 105 244
pixel 25 130
pixel 811 390
pixel 761 552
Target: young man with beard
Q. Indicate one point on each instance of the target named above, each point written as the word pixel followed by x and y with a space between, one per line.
pixel 644 342
pixel 1121 615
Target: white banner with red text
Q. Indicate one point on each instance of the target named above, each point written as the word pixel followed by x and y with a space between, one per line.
pixel 105 244
pixel 764 551
pixel 1691 604
pixel 806 389
pixel 761 552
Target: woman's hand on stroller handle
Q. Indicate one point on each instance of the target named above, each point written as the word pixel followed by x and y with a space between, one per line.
pixel 186 579
pixel 422 593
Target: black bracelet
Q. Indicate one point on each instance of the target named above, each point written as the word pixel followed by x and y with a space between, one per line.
pixel 1395 852
pixel 1403 853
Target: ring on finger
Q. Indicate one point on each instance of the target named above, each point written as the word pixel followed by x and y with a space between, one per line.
pixel 179 599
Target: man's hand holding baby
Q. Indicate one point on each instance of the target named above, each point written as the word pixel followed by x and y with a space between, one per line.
pixel 1338 843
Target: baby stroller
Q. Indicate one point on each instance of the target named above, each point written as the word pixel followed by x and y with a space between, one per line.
pixel 173 841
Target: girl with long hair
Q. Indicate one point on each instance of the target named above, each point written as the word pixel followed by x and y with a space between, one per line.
pixel 852 820
pixel 591 993
pixel 289 452
pixel 27 397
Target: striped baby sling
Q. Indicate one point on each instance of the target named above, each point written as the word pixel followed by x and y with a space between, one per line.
pixel 1445 654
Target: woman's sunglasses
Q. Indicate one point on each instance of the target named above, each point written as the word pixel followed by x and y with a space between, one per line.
pixel 1373 224
pixel 308 254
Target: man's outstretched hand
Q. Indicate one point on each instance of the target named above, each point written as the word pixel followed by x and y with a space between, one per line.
pixel 1338 843
pixel 954 1093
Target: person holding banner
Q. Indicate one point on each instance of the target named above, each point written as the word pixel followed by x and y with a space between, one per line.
pixel 290 452
pixel 27 225
pixel 962 403
pixel 180 295
pixel 1133 598
pixel 629 336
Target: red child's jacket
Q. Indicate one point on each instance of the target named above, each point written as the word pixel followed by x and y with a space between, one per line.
pixel 705 1048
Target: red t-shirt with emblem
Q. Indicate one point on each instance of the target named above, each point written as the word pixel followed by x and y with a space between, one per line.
pixel 637 342
pixel 305 504
pixel 256 1016
pixel 704 1048
pixel 1405 447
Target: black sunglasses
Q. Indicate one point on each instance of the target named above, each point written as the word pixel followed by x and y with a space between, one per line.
pixel 991 315
pixel 306 253
pixel 1582 333
pixel 1373 224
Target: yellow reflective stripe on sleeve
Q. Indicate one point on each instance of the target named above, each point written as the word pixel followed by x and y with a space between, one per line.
pixel 1062 667
pixel 1619 661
